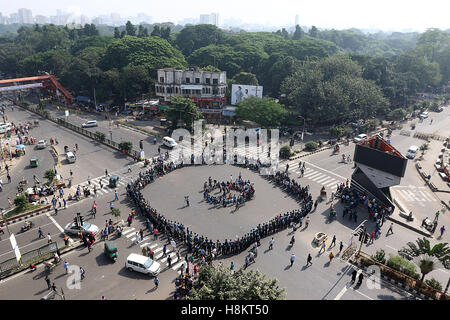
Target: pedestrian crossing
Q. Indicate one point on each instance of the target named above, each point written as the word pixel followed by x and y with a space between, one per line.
pixel 102 182
pixel 316 175
pixel 415 194
pixel 158 255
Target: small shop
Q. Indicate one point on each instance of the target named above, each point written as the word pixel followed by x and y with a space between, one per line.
pixel 229 114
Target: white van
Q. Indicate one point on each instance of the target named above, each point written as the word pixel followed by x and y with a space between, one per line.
pixel 143 264
pixel 169 142
pixel 71 157
pixel 411 153
pixel 5 127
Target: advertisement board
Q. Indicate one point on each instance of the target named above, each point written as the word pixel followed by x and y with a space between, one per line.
pixel 239 92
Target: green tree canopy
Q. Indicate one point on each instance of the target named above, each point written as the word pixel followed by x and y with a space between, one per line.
pixel 423 247
pixel 183 109
pixel 333 89
pixel 246 78
pixel 263 111
pixel 220 284
pixel 195 37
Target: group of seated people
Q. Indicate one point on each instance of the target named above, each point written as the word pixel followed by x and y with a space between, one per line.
pixel 245 189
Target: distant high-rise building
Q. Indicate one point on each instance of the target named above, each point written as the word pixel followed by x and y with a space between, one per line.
pixel 297 20
pixel 25 15
pixel 40 19
pixel 14 18
pixel 97 21
pixel 212 18
pixel 115 16
pixel 84 20
pixel 205 19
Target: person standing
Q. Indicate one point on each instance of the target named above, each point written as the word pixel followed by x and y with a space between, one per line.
pixel 164 250
pixel 49 238
pixel 390 229
pixel 308 260
pixel 442 230
pixel 82 273
pixel 292 259
pixel 66 266
pixel 372 236
pixel 232 266
pixel 129 169
pixel 137 237
pixel 89 180
pixel 341 246
pixel 156 281
pixel 437 215
pixel 187 200
pixel 9 202
pixel 116 196
pixel 47 280
pixel 141 234
pixel 169 261
pixel 307 222
pixel 40 233
pixel 106 173
pixel 271 243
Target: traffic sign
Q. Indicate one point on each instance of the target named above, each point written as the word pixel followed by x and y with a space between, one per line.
pixel 15 247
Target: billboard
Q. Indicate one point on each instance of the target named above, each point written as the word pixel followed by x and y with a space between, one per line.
pixel 239 92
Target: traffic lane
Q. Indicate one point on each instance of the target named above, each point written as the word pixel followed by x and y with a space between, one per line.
pixel 92 157
pixel 103 278
pixel 28 240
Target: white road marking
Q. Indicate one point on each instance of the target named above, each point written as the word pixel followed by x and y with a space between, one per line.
pixel 54 222
pixel 328 171
pixel 333 183
pixel 311 173
pixel 178 265
pixel 326 180
pixel 364 295
pixel 341 293
pixel 127 231
pixel 315 175
pixel 319 177
pixel 405 195
pixel 130 235
pixel 153 245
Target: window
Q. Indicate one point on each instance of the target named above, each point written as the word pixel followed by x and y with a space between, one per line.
pixel 208 80
pixel 176 89
pixel 188 80
pixel 197 80
pixel 215 81
pixel 161 79
pixel 215 91
pixel 203 90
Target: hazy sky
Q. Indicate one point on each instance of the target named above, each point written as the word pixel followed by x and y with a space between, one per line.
pixel 381 14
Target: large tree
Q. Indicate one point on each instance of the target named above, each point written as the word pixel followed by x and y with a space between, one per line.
pixel 264 111
pixel 195 37
pixel 332 90
pixel 216 283
pixel 183 109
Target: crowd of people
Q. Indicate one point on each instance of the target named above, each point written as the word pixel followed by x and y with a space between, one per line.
pixel 201 246
pixel 245 189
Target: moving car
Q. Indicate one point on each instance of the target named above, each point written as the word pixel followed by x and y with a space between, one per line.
pixel 89 124
pixel 85 228
pixel 411 153
pixel 169 142
pixel 5 127
pixel 143 264
pixel 41 144
pixel 360 137
pixel 71 158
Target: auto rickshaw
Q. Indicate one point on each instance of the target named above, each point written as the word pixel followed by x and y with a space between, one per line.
pixel 111 250
pixel 34 162
pixel 113 180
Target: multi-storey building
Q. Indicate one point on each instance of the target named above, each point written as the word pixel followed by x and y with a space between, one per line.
pixel 206 88
pixel 25 16
pixel 40 19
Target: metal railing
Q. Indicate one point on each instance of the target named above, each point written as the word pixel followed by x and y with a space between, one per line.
pixel 34 256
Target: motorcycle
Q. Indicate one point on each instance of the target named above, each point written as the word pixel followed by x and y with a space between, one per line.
pixel 25 228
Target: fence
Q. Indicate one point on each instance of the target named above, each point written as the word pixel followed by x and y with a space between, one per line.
pixel 89 134
pixel 34 256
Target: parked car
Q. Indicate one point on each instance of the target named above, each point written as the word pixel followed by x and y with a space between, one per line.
pixel 360 137
pixel 143 264
pixel 41 144
pixel 424 115
pixel 85 228
pixel 89 124
pixel 169 142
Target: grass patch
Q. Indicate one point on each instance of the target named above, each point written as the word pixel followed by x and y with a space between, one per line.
pixel 19 210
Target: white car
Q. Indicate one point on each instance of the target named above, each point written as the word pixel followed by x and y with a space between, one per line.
pixel 169 142
pixel 41 144
pixel 5 127
pixel 360 137
pixel 424 115
pixel 72 228
pixel 143 264
pixel 88 124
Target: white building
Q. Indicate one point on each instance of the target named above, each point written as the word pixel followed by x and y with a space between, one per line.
pixel 297 20
pixel 40 19
pixel 212 18
pixel 25 16
pixel 206 88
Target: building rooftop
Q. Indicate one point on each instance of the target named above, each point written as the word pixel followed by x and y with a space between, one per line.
pixel 378 143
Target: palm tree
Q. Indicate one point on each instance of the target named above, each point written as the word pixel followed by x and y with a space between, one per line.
pixel 426 264
pixel 441 251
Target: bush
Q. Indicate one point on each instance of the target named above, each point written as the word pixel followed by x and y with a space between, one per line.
pixel 100 136
pixel 336 132
pixel 380 256
pixel 434 284
pixel 20 201
pixel 126 145
pixel 311 146
pixel 49 175
pixel 403 265
pixel 369 125
pixel 285 152
pixel 115 212
pixel 397 114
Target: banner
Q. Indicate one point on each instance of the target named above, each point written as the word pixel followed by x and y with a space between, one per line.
pixel 240 92
pixel 20 87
